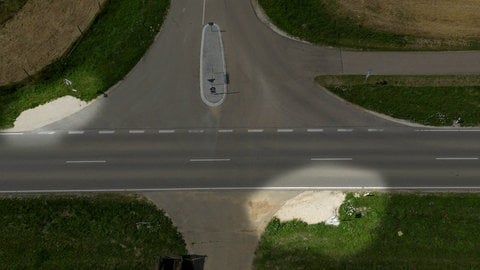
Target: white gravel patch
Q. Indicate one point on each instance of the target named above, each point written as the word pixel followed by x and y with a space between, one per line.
pixel 312 207
pixel 47 113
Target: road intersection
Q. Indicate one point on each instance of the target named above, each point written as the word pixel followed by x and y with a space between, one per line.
pixel 278 130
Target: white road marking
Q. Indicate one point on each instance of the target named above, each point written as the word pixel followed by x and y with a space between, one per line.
pixel 11 134
pixel 344 130
pixel 284 130
pixel 331 159
pixel 196 131
pixel 225 130
pixel 84 161
pixel 365 188
pixel 315 130
pixel 106 132
pixel 166 131
pixel 203 16
pixel 255 130
pixel 75 132
pixel 136 131
pixel 375 130
pixel 456 158
pixel 46 132
pixel 447 130
pixel 209 159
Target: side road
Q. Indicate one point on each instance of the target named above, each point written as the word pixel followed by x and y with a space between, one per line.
pixel 225 226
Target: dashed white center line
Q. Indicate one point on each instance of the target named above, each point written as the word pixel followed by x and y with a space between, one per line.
pixel 344 130
pixel 331 159
pixel 76 132
pixel 284 130
pixel 210 159
pixel 225 130
pixel 255 130
pixel 11 134
pixel 166 131
pixel 106 132
pixel 375 130
pixel 136 131
pixel 315 130
pixel 46 132
pixel 456 158
pixel 84 161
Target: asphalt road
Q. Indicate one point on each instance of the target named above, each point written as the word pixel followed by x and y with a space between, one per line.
pixel 271 87
pixel 148 159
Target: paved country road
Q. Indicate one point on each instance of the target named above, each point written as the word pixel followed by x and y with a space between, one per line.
pixel 251 158
pixel 125 141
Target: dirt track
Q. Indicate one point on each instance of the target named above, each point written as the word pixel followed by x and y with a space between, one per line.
pixel 40 32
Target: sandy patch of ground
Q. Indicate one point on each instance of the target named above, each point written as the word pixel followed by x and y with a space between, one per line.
pixel 312 206
pixel 42 31
pixel 434 19
pixel 47 113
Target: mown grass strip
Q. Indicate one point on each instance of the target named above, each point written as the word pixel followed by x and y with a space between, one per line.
pixel 8 9
pixel 318 21
pixel 384 231
pixel 115 42
pixel 94 232
pixel 430 100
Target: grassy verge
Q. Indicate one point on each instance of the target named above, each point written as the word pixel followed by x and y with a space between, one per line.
pixel 98 232
pixel 429 100
pixel 395 231
pixel 109 49
pixel 319 21
pixel 8 9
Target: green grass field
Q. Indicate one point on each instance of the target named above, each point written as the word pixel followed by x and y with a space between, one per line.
pixel 322 22
pixel 88 232
pixel 115 42
pixel 8 9
pixel 395 231
pixel 429 100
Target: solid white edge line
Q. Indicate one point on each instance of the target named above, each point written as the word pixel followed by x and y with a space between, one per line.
pixel 447 130
pixel 284 130
pixel 166 131
pixel 456 158
pixel 366 188
pixel 331 159
pixel 136 131
pixel 255 130
pixel 106 132
pixel 225 130
pixel 203 16
pixel 76 132
pixel 10 133
pixel 209 159
pixel 84 161
pixel 315 130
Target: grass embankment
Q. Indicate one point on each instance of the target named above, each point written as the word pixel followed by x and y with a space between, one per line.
pixel 100 232
pixel 109 49
pixel 395 231
pixel 429 100
pixel 385 25
pixel 8 9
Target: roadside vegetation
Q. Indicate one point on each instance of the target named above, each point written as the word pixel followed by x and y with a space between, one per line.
pixel 8 9
pixel 437 100
pixel 117 39
pixel 379 24
pixel 383 231
pixel 84 232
